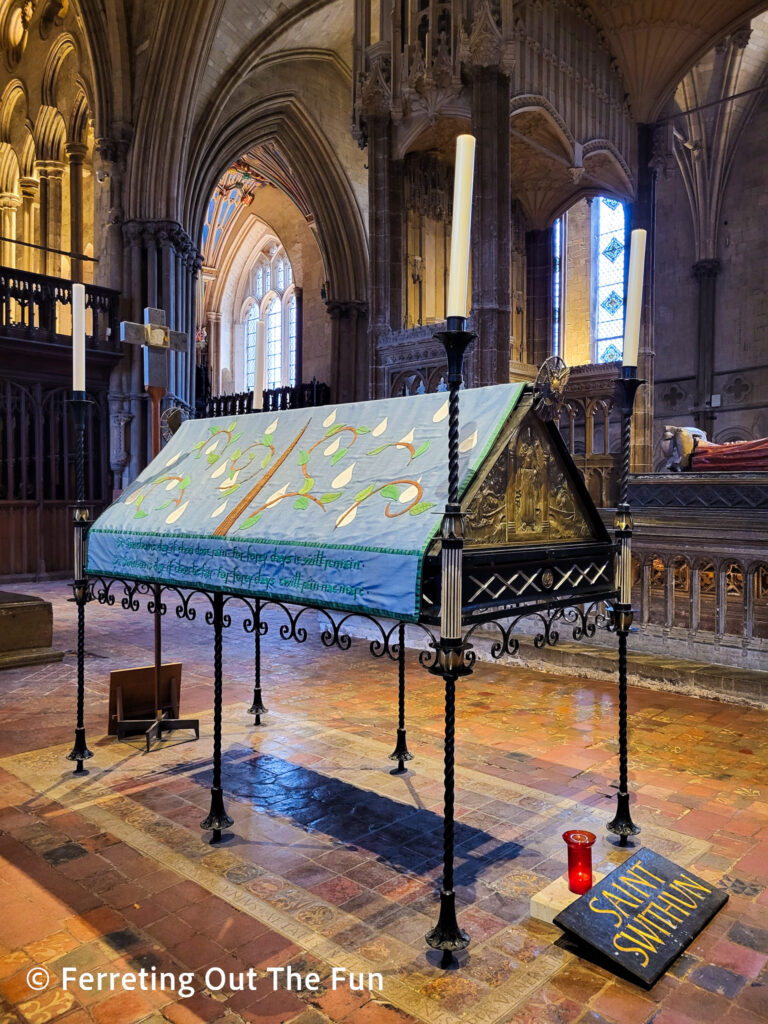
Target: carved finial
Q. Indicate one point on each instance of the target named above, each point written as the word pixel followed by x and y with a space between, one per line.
pixel 486 44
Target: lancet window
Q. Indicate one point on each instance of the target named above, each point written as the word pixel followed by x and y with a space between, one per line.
pixel 608 279
pixel 273 301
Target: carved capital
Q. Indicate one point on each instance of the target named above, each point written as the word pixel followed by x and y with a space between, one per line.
pixel 706 269
pixel 376 95
pixel 342 308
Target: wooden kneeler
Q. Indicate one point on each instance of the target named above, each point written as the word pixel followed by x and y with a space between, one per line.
pixel 132 705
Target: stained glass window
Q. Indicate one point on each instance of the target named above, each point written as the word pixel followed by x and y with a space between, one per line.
pixel 279 276
pixel 608 280
pixel 557 285
pixel 250 346
pixel 274 344
pixel 259 286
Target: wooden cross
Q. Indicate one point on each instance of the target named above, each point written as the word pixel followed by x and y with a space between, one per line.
pixel 157 341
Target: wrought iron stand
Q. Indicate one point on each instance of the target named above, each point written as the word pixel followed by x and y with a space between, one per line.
pixel 450 662
pixel 622 824
pixel 79 403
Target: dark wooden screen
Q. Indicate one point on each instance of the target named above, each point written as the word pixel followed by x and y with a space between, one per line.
pixel 37 481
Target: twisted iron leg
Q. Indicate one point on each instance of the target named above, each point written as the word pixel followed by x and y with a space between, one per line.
pixel 218 818
pixel 446 935
pixel 622 824
pixel 257 708
pixel 401 753
pixel 80 751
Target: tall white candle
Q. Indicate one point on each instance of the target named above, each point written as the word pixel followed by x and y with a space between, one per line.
pixel 78 337
pixel 634 297
pixel 259 360
pixel 458 276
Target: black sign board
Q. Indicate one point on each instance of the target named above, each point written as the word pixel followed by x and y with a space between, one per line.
pixel 642 915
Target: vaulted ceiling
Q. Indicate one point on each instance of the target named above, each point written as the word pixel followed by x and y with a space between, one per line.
pixel 656 41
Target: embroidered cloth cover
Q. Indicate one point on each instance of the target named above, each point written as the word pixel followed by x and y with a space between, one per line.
pixel 332 506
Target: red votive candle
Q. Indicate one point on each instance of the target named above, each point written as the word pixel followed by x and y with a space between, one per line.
pixel 579 845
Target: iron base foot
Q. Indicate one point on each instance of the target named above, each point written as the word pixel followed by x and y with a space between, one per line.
pixel 218 818
pixel 257 707
pixel 401 754
pixel 79 751
pixel 622 824
pixel 446 934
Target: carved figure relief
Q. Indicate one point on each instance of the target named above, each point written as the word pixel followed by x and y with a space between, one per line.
pixel 527 497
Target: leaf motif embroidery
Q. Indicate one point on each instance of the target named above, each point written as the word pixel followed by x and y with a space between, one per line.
pixel 344 477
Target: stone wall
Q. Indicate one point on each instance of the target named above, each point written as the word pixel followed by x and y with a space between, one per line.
pixel 741 311
pixel 578 276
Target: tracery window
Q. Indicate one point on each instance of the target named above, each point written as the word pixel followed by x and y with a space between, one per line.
pixel 274 302
pixel 608 279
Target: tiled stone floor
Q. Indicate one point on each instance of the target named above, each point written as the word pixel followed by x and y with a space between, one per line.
pixel 333 862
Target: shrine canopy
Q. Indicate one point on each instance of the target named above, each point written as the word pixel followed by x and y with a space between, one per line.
pixel 332 506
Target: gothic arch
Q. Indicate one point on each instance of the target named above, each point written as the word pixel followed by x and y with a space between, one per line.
pixel 9 168
pixel 50 134
pixel 340 232
pixel 13 97
pixel 541 105
pixel 63 47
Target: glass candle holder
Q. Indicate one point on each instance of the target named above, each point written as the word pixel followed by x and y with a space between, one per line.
pixel 579 845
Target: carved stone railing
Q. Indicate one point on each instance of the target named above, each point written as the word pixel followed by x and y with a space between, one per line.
pixel 35 307
pixel 700 566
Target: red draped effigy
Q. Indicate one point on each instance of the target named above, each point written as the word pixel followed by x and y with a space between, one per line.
pixel 735 457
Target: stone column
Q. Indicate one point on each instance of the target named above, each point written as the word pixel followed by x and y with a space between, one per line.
pixel 748 622
pixel 9 204
pixel 385 202
pixel 348 337
pixel 491 217
pixel 645 593
pixel 76 154
pixel 51 174
pixel 214 351
pixel 29 258
pixel 705 272
pixel 539 296
pixel 133 235
pixel 695 598
pixel 167 301
pixel 721 597
pixel 669 593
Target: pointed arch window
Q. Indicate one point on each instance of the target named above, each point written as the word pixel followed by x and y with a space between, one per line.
pixel 274 320
pixel 251 320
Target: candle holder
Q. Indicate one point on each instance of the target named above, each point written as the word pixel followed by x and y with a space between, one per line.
pixel 79 405
pixel 621 613
pixel 450 662
pixel 579 845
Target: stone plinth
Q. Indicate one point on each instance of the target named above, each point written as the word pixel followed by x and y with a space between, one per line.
pixel 26 630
